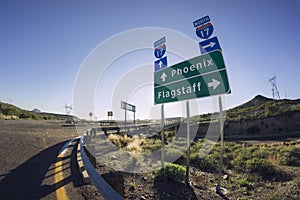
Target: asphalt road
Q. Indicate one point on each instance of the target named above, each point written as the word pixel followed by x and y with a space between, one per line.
pixel 29 166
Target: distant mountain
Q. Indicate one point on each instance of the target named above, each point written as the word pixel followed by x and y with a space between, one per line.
pixel 9 111
pixel 36 110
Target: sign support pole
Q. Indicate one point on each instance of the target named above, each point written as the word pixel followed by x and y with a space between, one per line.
pixel 221 115
pixel 125 122
pixel 162 139
pixel 187 178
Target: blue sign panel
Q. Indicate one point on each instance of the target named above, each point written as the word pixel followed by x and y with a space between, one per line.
pixel 205 31
pixel 159 42
pixel 160 64
pixel 201 21
pixel 160 51
pixel 209 45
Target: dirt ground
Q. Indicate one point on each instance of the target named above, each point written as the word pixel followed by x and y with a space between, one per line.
pixel 283 185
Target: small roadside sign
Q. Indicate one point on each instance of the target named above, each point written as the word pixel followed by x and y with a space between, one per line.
pixel 110 113
pixel 160 51
pixel 209 45
pixel 160 64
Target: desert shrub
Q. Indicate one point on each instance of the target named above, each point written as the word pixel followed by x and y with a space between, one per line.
pixel 207 163
pixel 243 182
pixel 173 172
pixel 124 141
pixel 151 145
pixel 24 115
pixel 196 146
pixel 134 146
pixel 271 109
pixel 240 158
pixel 288 155
pixel 279 155
pixel 169 135
pixel 132 186
pixel 115 139
pixel 142 142
pixel 259 165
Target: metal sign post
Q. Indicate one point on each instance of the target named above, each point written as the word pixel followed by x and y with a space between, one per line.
pixel 159 64
pixel 126 106
pixel 221 119
pixel 125 120
pixel 204 30
pixel 187 178
pixel 162 139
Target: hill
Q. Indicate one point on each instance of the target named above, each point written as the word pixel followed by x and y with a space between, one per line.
pixel 261 117
pixel 259 107
pixel 8 111
pixel 262 107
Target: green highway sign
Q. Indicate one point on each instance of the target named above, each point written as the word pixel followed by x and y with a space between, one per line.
pixel 202 76
pixel 193 67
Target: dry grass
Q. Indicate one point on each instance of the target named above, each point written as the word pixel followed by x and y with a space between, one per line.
pixel 115 139
pixel 134 145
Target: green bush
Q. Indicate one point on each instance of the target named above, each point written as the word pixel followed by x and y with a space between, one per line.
pixel 173 171
pixel 288 155
pixel 240 158
pixel 271 109
pixel 260 166
pixel 208 163
pixel 151 145
pixel 243 182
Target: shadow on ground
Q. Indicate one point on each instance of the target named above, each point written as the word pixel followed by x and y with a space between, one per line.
pixel 25 182
pixel 168 189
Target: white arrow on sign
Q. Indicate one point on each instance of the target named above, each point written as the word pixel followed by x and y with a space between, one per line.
pixel 160 64
pixel 214 83
pixel 163 76
pixel 211 45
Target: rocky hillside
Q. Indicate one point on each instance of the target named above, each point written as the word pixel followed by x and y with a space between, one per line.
pixel 261 117
pixel 261 107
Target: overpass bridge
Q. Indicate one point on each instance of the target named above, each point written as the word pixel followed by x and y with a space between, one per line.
pixel 135 128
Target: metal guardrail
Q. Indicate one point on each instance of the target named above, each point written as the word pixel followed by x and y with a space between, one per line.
pixel 102 186
pixel 64 148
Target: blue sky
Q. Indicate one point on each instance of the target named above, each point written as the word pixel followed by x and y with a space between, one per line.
pixel 43 43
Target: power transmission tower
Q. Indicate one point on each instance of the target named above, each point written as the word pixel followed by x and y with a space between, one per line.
pixel 275 91
pixel 68 110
